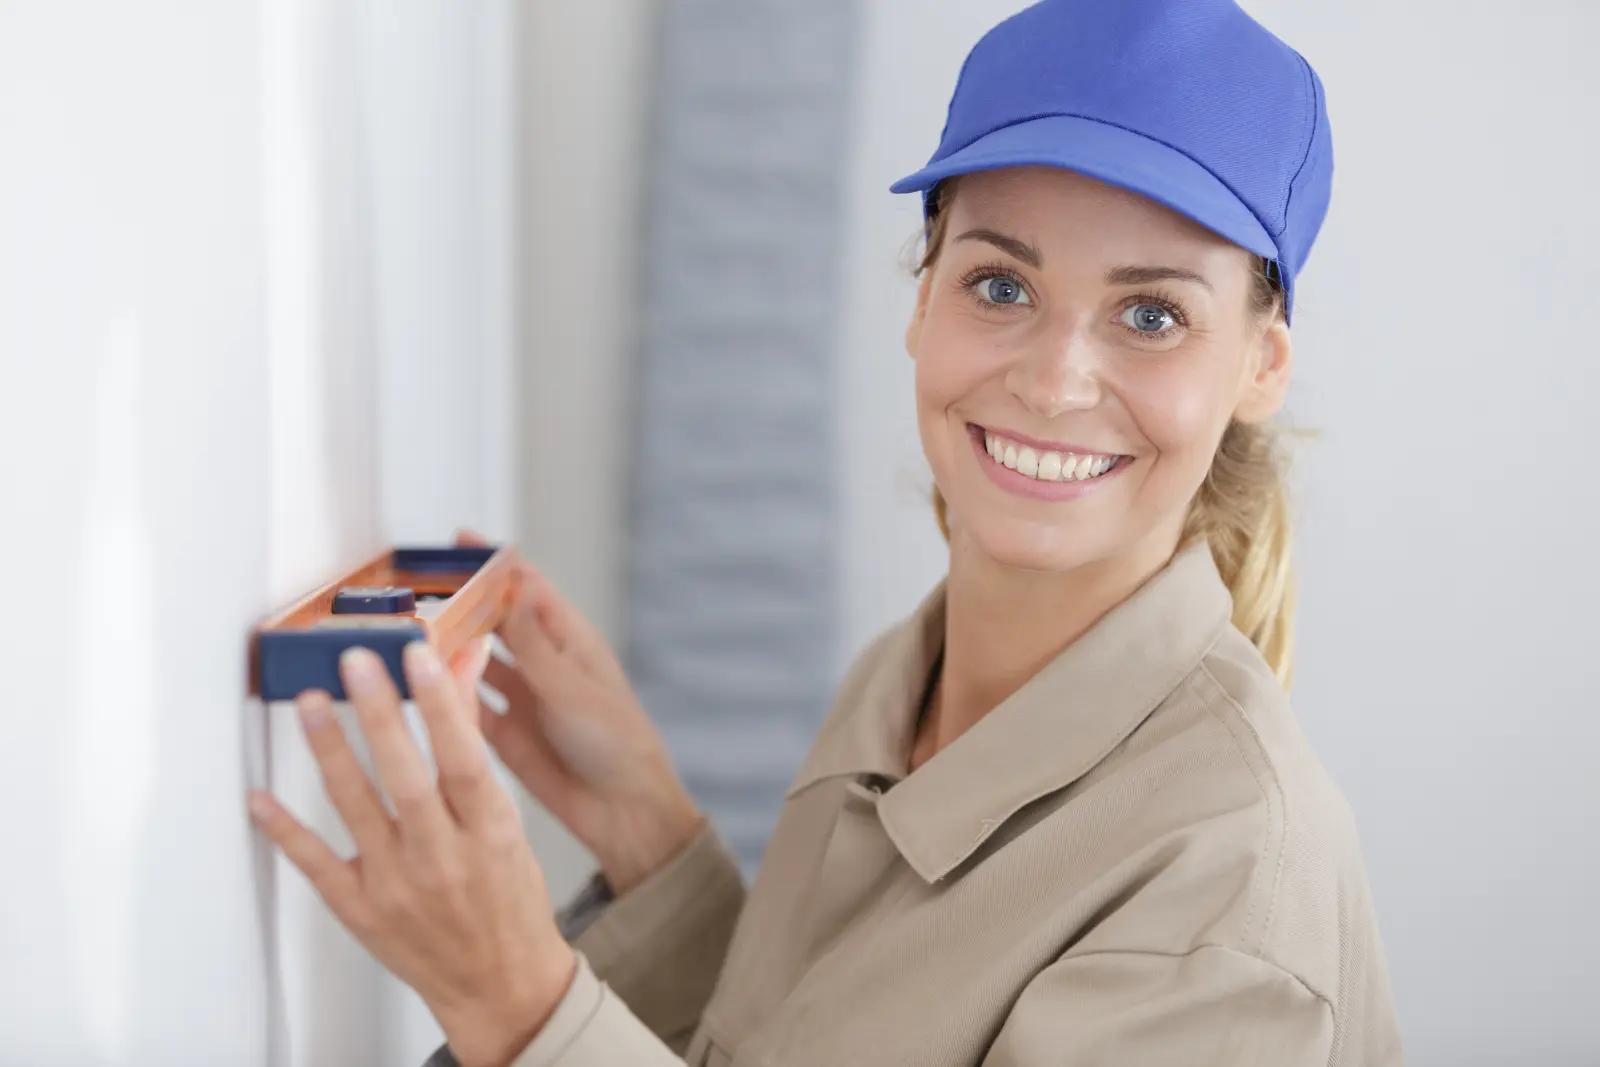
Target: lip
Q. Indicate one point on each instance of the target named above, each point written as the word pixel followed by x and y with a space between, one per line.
pixel 1022 485
pixel 1040 445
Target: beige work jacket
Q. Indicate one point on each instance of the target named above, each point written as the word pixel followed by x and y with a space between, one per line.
pixel 1134 860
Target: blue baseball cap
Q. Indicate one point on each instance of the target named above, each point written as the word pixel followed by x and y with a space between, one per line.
pixel 1191 103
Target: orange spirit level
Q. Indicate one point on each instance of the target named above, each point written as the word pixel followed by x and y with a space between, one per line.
pixel 445 596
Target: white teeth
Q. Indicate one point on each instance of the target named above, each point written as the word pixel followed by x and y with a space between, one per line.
pixel 1045 466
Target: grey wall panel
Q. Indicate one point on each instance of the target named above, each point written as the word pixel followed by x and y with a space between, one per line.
pixel 733 567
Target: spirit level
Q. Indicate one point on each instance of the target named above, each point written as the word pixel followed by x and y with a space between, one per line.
pixel 445 596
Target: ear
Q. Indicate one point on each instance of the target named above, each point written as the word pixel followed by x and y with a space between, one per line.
pixel 1270 361
pixel 914 327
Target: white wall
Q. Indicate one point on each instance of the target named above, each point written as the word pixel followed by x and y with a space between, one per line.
pixel 1448 571
pixel 583 91
pixel 131 282
pixel 1452 512
pixel 255 322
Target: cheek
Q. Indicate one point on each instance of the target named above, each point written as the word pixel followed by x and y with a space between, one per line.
pixel 960 370
pixel 950 367
pixel 939 385
pixel 1179 413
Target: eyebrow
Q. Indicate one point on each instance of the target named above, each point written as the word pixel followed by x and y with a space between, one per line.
pixel 1125 275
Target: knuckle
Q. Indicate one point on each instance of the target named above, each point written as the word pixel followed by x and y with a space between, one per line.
pixel 390 900
pixel 381 725
pixel 362 920
pixel 345 792
pixel 326 882
pixel 462 782
pixel 442 879
pixel 410 796
pixel 503 830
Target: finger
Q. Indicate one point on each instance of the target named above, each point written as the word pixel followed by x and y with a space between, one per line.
pixel 568 629
pixel 343 778
pixel 517 735
pixel 424 821
pixel 562 622
pixel 464 775
pixel 467 666
pixel 524 751
pixel 334 879
pixel 507 679
pixel 534 682
pixel 526 637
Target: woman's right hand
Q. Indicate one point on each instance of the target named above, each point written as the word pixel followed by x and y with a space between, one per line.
pixel 577 737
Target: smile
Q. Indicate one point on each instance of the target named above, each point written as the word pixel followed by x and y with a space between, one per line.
pixel 1042 473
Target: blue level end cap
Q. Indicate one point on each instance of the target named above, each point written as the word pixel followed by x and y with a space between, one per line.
pixel 460 559
pixel 293 661
pixel 374 600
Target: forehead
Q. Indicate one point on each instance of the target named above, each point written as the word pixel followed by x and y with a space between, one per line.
pixel 1055 207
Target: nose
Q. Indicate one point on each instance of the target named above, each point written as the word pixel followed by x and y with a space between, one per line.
pixel 1058 373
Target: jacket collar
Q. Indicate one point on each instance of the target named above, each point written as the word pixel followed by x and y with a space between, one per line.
pixel 1043 737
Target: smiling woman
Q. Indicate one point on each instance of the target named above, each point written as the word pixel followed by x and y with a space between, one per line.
pixel 1241 503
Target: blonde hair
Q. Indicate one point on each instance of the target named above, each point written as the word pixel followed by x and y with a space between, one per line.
pixel 1242 507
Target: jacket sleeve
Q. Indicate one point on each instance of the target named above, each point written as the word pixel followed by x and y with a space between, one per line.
pixel 660 945
pixel 592 1027
pixel 1210 1006
pixel 647 963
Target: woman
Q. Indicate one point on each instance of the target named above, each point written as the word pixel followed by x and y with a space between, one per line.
pixel 1061 813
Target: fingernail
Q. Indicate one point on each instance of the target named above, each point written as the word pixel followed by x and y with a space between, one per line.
pixel 422 663
pixel 360 667
pixel 314 712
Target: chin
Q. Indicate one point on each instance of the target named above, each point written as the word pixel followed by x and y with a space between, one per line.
pixel 1032 546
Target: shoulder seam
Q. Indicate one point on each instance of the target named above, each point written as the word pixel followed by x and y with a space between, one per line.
pixel 1273 794
pixel 1273 964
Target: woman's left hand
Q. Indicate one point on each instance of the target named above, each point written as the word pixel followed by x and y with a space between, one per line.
pixel 445 892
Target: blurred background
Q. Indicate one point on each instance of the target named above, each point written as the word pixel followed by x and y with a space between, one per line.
pixel 286 281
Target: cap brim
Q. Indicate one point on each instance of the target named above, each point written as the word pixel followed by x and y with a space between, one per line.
pixel 1114 155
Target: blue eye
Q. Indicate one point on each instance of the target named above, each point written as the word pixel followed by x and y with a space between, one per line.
pixel 994 286
pixel 1153 318
pixel 1001 290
